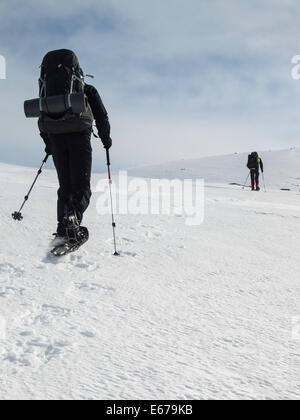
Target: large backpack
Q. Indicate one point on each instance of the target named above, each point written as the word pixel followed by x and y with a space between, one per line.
pixel 253 161
pixel 61 75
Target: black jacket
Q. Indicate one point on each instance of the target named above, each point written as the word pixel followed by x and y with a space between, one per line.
pixel 99 112
pixel 100 116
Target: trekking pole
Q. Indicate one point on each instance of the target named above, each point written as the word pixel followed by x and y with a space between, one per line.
pixel 111 202
pixel 246 181
pixel 263 177
pixel 17 215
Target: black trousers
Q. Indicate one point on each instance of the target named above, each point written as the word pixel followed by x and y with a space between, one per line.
pixel 72 156
pixel 254 176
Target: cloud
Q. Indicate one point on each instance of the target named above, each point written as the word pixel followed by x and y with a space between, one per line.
pixel 209 74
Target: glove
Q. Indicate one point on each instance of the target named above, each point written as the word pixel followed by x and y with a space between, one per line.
pixel 107 143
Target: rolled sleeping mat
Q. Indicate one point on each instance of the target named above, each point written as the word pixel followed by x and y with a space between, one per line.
pixel 78 101
pixel 52 105
pixel 55 105
pixel 32 108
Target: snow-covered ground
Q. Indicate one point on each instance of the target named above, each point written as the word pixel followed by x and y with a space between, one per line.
pixel 208 311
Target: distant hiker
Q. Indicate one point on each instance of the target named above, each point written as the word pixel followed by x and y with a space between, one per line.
pixel 68 138
pixel 254 163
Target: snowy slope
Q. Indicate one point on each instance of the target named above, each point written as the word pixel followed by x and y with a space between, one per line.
pixel 185 312
pixel 282 169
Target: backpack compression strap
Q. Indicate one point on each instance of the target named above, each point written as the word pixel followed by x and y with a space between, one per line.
pixel 74 77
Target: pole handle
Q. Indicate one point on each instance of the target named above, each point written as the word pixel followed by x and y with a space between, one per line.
pixel 107 157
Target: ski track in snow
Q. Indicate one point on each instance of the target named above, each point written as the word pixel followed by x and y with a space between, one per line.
pixel 185 312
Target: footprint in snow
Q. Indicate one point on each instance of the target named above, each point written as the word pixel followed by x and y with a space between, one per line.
pixel 44 350
pixel 127 240
pixel 11 269
pixel 151 235
pixel 92 287
pixel 88 334
pixel 56 310
pixel 34 353
pixel 88 267
pixel 8 291
pixel 25 333
pixel 128 254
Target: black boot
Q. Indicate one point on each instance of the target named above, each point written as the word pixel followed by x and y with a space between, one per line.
pixel 71 226
pixel 61 231
pixel 60 235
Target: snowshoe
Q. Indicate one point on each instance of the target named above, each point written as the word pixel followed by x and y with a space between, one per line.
pixel 71 244
pixel 74 235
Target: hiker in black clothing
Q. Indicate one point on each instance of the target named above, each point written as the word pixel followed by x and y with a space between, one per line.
pixel 254 163
pixel 72 156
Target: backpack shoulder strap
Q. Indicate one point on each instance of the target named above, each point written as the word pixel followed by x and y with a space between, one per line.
pixel 42 83
pixel 75 77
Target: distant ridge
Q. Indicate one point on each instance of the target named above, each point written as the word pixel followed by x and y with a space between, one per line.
pixel 282 169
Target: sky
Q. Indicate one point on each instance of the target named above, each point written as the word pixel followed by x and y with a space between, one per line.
pixel 180 79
